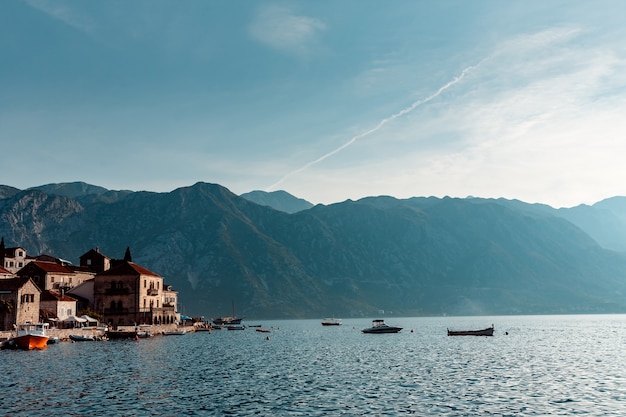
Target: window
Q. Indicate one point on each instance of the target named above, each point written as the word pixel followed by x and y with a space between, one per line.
pixel 52 280
pixel 20 253
pixel 89 262
pixel 27 298
pixel 69 311
pixel 144 283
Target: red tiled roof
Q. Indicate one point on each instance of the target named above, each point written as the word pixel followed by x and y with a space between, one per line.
pixel 5 272
pixel 50 267
pixel 49 295
pixel 128 268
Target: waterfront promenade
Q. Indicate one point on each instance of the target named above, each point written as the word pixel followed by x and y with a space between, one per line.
pixel 64 334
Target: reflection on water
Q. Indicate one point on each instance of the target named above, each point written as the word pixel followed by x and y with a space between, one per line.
pixel 558 365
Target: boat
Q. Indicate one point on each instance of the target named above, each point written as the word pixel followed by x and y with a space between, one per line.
pixel 121 334
pixel 227 320
pixel 379 326
pixel 53 340
pixel 262 330
pixel 32 336
pixel 235 327
pixel 175 333
pixel 484 332
pixel 81 338
pixel 331 322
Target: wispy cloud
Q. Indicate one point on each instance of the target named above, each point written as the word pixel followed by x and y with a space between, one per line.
pixel 63 12
pixel 281 29
pixel 379 126
pixel 543 118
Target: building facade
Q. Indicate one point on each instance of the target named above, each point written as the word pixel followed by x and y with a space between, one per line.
pixel 62 305
pixel 54 275
pixel 19 302
pixel 13 259
pixel 130 294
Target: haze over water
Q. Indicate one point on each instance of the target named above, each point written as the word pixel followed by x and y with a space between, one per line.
pixel 556 365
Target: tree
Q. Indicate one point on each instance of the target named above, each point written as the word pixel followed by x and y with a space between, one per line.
pixel 127 255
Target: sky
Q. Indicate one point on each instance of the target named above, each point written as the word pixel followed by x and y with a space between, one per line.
pixel 327 100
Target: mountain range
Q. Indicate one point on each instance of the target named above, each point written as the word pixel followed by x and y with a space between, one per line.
pixel 274 255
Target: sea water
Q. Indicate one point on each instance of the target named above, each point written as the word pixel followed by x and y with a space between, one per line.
pixel 532 366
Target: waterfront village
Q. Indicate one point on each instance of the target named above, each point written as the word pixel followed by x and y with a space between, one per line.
pixel 100 294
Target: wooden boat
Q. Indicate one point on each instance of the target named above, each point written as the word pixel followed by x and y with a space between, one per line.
pixel 331 322
pixel 32 336
pixel 235 327
pixel 81 338
pixel 262 330
pixel 484 332
pixel 379 326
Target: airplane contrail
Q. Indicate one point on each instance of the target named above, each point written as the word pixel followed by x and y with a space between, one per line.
pixel 379 126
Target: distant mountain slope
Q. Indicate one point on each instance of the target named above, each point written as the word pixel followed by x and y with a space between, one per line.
pixel 6 191
pixel 420 256
pixel 71 189
pixel 278 200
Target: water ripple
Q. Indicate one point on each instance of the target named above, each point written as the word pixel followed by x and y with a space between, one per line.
pixel 546 365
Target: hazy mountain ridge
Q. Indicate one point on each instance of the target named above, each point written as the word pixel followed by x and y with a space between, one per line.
pixel 279 200
pixel 415 256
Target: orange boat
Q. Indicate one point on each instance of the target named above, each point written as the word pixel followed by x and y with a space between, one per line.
pixel 32 336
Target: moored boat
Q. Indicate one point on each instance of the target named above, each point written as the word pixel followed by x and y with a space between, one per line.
pixel 227 320
pixel 235 327
pixel 121 334
pixel 81 338
pixel 379 326
pixel 484 332
pixel 331 322
pixel 32 336
pixel 263 330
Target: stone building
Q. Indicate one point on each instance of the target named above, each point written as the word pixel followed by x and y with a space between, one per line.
pixel 12 259
pixel 130 294
pixel 95 261
pixel 62 305
pixel 19 302
pixel 57 276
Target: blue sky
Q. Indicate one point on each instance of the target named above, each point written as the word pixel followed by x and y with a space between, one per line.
pixel 328 100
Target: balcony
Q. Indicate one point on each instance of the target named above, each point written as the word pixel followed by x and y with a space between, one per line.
pixel 153 291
